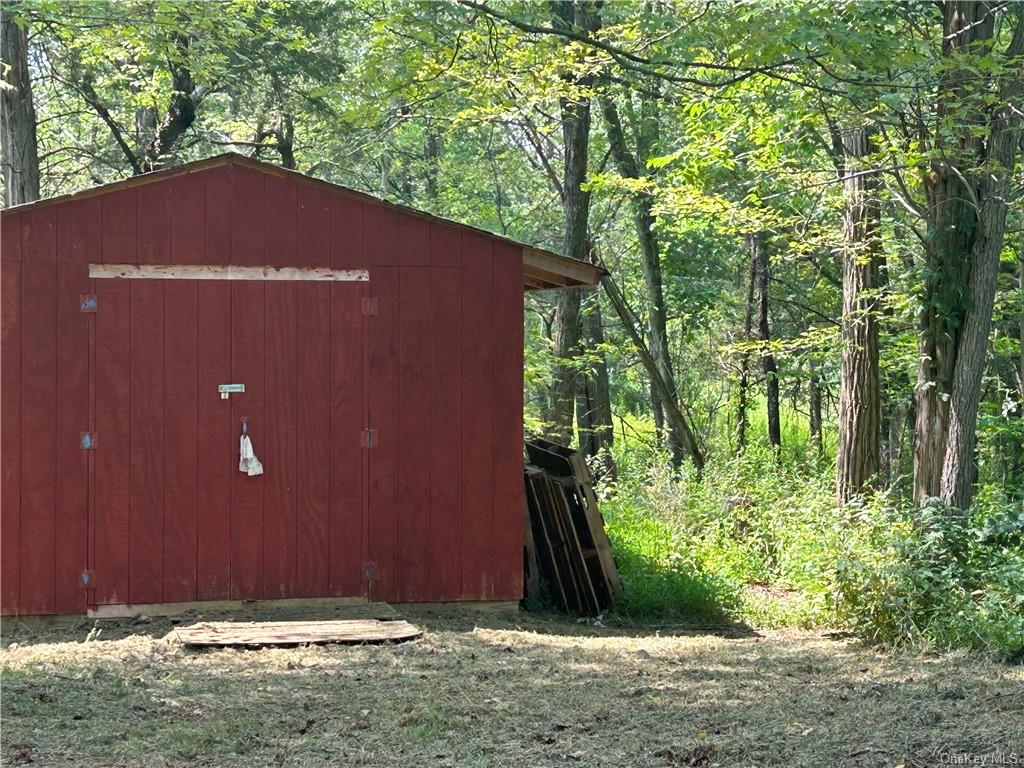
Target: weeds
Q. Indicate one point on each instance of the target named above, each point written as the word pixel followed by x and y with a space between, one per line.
pixel 761 540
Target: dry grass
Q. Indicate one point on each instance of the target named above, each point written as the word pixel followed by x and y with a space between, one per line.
pixel 508 690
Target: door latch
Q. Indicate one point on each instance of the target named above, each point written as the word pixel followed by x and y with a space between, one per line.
pixel 226 390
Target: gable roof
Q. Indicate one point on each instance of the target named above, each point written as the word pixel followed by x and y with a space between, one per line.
pixel 542 269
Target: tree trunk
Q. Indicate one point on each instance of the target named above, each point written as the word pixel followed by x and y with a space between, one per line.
pixel 966 195
pixel 759 254
pixel 1020 364
pixel 658 411
pixel 18 124
pixel 814 405
pixel 594 404
pixel 744 383
pixel 674 415
pixel 431 157
pixel 181 111
pixel 959 467
pixel 628 164
pixel 566 375
pixel 857 461
pixel 286 140
pixel 575 112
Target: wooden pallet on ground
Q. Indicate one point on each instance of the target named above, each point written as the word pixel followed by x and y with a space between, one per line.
pixel 255 633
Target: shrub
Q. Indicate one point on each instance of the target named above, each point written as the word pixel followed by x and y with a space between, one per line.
pixel 762 541
pixel 934 578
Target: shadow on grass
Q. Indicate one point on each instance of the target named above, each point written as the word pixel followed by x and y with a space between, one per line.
pixel 448 617
pixel 516 698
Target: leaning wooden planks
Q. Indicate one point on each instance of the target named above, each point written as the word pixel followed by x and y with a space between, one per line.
pixel 570 548
pixel 227 633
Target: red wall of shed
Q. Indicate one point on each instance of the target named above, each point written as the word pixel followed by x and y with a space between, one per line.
pixel 442 488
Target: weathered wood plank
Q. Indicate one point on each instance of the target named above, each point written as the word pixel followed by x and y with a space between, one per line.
pixel 296 632
pixel 224 272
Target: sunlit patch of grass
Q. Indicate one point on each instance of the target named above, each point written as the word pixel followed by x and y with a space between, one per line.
pixel 660 578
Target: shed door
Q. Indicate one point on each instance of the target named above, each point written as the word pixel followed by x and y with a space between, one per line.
pixel 173 517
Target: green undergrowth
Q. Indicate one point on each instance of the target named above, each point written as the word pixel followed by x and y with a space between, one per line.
pixel 761 541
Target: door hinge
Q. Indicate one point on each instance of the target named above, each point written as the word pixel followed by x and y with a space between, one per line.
pixel 87 440
pixel 368 438
pixel 370 305
pixel 88 303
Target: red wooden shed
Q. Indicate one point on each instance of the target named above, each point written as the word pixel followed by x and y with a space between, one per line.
pixel 381 354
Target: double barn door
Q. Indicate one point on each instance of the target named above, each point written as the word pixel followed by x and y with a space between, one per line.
pixel 172 518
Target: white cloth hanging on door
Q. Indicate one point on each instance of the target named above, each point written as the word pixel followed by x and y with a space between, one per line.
pixel 247 461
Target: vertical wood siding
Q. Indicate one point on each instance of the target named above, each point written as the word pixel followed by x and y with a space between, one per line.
pixel 158 512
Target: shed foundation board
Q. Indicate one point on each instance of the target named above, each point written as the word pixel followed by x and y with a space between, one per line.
pixel 228 633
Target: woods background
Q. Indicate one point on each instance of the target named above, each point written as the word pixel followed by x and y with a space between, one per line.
pixel 805 368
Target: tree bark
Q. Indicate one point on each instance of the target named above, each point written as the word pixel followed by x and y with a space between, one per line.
pixel 18 124
pixel 759 254
pixel 857 461
pixel 285 136
pixel 814 405
pixel 1020 363
pixel 567 337
pixel 744 383
pixel 658 411
pixel 575 111
pixel 181 111
pixel 594 404
pixel 431 157
pixel 959 467
pixel 966 192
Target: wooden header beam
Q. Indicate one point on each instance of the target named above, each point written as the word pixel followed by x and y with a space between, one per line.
pixel 209 272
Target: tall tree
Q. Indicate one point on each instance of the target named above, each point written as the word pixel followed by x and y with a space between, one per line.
pixel 18 124
pixel 629 164
pixel 743 394
pixel 758 251
pixel 857 463
pixel 575 111
pixel 967 187
pixel 593 402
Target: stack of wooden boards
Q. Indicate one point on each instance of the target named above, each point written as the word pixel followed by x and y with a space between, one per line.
pixel 566 548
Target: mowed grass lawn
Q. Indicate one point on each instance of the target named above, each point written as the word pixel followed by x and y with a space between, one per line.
pixel 503 689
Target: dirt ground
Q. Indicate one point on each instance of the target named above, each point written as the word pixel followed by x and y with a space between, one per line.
pixel 498 689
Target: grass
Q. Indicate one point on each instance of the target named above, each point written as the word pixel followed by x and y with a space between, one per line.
pixel 497 690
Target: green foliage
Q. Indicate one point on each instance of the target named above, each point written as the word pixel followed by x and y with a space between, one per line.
pixel 763 542
pixel 732 112
pixel 662 576
pixel 934 578
pixel 763 531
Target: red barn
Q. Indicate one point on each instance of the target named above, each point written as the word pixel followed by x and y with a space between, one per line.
pixel 380 351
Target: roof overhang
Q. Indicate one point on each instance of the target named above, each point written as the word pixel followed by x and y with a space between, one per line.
pixel 543 270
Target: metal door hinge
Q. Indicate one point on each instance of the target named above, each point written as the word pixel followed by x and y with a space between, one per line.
pixel 87 440
pixel 88 303
pixel 370 305
pixel 368 438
